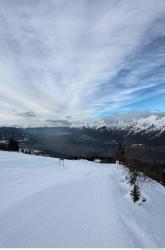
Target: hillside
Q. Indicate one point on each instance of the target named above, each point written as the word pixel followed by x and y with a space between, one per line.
pixel 83 204
pixel 90 141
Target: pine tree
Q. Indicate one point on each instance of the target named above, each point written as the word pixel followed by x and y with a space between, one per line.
pixel 120 154
pixel 13 145
pixel 133 177
pixel 135 193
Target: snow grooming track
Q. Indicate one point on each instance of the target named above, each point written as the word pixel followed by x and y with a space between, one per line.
pixel 84 204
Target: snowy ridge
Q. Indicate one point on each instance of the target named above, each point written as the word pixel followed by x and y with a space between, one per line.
pixel 152 123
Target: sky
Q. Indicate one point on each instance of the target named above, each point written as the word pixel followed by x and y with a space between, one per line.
pixel 66 62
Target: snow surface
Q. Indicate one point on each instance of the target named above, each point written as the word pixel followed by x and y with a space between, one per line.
pixel 83 204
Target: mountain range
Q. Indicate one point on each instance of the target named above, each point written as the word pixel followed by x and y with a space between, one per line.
pixel 141 138
pixel 147 125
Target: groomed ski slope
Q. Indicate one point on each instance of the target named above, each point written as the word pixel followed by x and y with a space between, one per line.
pixel 84 204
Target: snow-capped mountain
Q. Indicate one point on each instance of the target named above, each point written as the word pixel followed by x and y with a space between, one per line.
pixel 152 123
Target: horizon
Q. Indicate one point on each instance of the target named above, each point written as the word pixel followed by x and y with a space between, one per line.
pixel 71 62
pixel 116 119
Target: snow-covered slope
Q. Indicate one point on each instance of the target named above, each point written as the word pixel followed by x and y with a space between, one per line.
pixel 152 123
pixel 83 204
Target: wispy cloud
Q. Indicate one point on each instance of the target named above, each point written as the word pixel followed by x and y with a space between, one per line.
pixel 134 115
pixel 59 123
pixel 27 114
pixel 79 59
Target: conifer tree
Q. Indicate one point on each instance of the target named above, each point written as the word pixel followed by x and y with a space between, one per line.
pixel 135 193
pixel 120 154
pixel 13 145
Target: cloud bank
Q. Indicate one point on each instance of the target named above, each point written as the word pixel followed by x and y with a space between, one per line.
pixel 80 59
pixel 134 115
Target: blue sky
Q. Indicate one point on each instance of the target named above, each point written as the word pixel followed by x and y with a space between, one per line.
pixel 67 62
